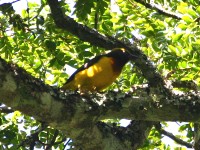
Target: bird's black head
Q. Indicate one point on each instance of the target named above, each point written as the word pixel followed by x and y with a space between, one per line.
pixel 120 54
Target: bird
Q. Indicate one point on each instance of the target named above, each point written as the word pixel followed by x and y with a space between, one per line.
pixel 98 73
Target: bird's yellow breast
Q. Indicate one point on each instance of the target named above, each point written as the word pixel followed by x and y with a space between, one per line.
pixel 96 77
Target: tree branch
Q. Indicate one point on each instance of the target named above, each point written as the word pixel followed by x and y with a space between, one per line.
pixel 159 9
pixel 170 135
pixel 5 109
pixel 136 132
pixel 197 19
pixel 196 136
pixel 77 115
pixel 191 85
pixel 21 91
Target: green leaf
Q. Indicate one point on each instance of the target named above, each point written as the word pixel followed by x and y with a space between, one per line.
pixel 198 9
pixel 24 46
pixel 50 45
pixel 177 37
pixel 107 25
pixel 182 26
pixel 187 19
pixel 182 64
pixel 149 31
pixel 192 13
pixel 119 1
pixel 83 8
pixel 114 20
pixel 24 13
pixel 125 10
pixel 155 46
pixel 197 69
pixel 139 22
pixel 182 7
pixel 52 62
pixel 172 49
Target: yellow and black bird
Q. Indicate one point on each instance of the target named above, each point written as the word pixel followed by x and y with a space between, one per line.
pixel 99 72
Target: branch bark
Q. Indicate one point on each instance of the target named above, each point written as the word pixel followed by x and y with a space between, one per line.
pixel 78 116
pixel 5 109
pixel 196 136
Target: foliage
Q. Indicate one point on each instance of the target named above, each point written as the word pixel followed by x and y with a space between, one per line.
pixel 32 40
pixel 19 131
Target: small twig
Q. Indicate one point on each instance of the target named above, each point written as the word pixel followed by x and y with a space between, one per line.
pixel 66 143
pixel 6 110
pixel 160 9
pixel 191 85
pixel 173 137
pixel 197 19
pixel 169 74
pixel 14 1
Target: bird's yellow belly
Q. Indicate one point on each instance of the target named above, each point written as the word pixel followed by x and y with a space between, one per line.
pixel 96 77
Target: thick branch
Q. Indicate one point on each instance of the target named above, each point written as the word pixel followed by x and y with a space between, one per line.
pixel 77 116
pixel 21 91
pixel 135 133
pixel 196 136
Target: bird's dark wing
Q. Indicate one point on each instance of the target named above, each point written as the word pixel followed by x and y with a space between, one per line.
pixel 85 66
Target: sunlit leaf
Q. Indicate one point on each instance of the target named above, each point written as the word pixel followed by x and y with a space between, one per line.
pixel 177 37
pixel 187 19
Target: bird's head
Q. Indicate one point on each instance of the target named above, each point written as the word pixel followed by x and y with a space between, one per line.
pixel 120 54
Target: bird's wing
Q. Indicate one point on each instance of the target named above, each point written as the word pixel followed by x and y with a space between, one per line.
pixel 85 66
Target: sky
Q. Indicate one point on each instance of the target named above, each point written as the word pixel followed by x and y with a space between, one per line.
pixel 20 5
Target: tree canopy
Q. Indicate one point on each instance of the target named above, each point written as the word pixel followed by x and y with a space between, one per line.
pixel 40 45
